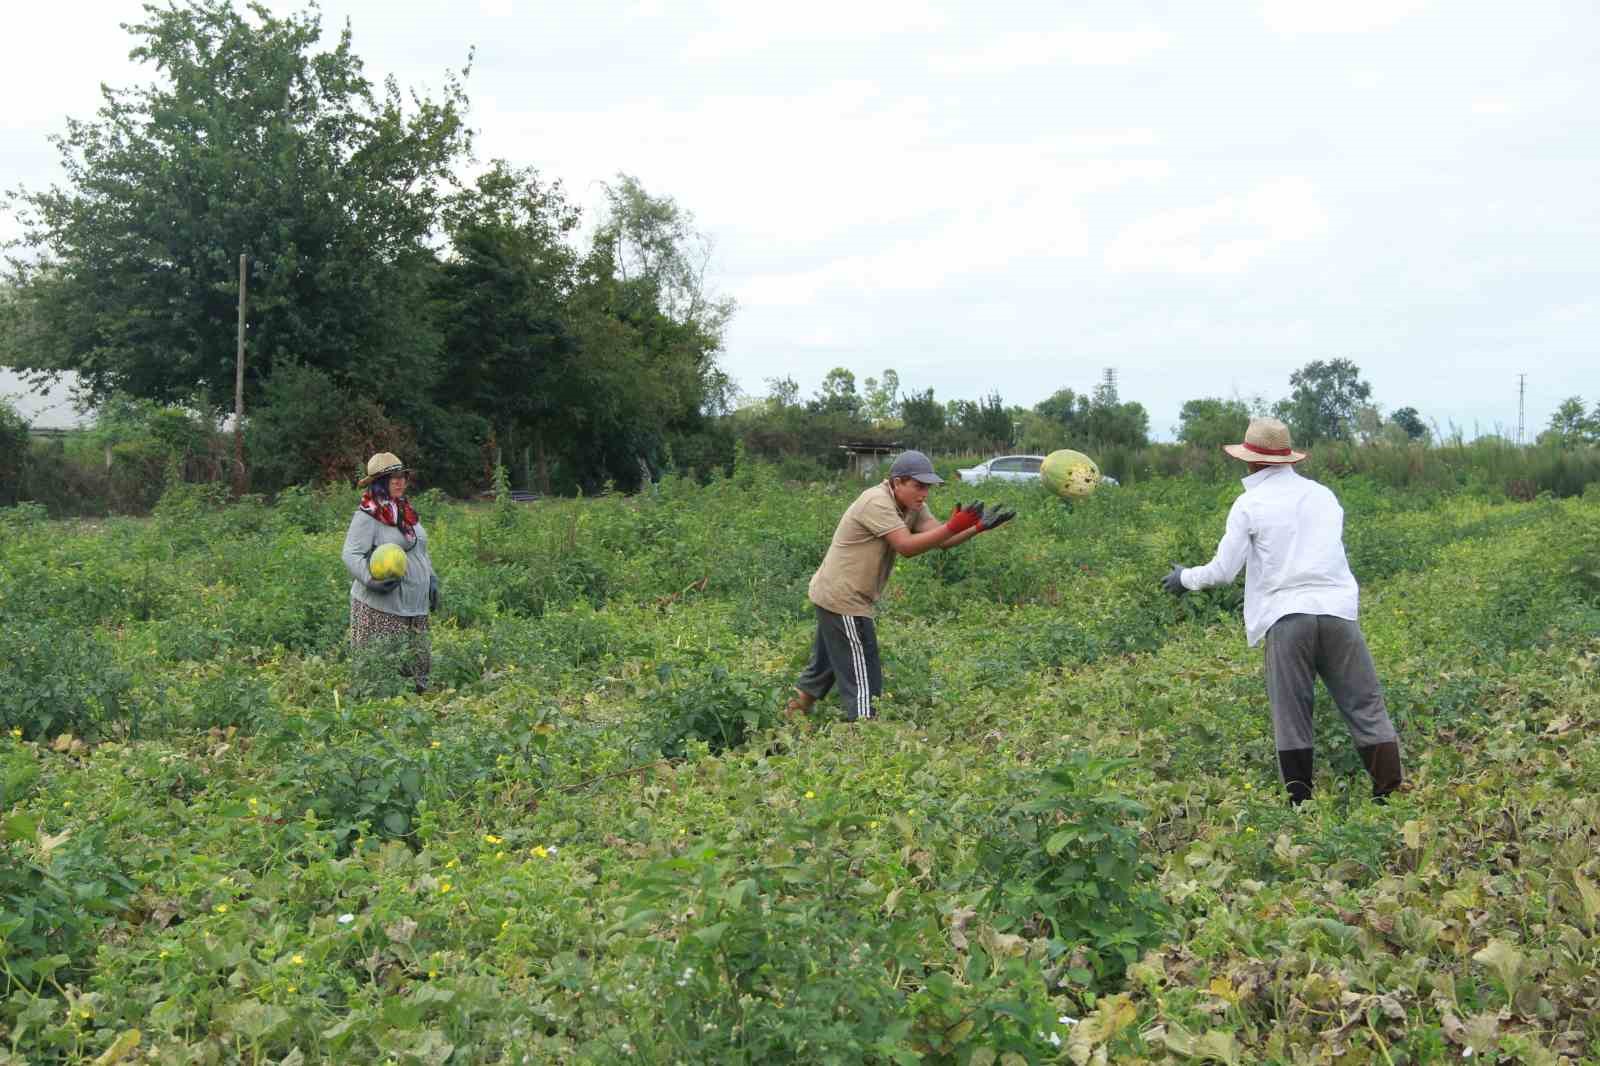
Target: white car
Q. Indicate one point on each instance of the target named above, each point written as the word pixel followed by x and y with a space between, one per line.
pixel 1003 468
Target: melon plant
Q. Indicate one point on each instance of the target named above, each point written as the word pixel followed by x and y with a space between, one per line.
pixel 1068 473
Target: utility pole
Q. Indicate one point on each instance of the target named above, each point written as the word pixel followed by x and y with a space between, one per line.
pixel 240 482
pixel 1522 408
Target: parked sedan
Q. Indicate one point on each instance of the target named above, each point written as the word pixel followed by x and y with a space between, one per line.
pixel 1004 468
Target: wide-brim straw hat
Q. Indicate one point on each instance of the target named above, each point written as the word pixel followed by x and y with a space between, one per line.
pixel 382 465
pixel 1266 441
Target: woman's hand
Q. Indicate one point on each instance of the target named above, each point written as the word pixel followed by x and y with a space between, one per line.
pixel 382 587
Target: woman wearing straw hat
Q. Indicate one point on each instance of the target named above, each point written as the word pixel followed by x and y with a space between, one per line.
pixel 392 609
pixel 1287 533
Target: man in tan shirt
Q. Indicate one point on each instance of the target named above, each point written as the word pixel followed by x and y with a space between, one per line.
pixel 887 521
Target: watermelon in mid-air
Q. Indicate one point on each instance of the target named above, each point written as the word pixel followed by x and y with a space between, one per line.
pixel 387 562
pixel 1068 473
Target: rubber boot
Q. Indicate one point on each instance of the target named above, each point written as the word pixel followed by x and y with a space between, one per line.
pixel 1383 766
pixel 1294 765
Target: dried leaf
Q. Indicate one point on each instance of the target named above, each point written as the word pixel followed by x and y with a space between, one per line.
pixel 1506 962
pixel 125 1042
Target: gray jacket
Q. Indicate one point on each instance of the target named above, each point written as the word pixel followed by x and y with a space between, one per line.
pixel 364 535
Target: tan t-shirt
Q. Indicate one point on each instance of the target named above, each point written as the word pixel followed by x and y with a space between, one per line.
pixel 859 561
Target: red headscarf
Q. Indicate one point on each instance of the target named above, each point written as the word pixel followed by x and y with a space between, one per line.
pixel 390 512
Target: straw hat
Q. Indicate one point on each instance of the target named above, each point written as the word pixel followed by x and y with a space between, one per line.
pixel 1266 441
pixel 381 465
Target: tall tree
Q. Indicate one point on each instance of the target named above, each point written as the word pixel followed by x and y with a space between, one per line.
pixel 1571 425
pixel 1326 395
pixel 881 398
pixel 837 394
pixel 251 141
pixel 1211 422
pixel 1409 420
pixel 502 295
pixel 923 415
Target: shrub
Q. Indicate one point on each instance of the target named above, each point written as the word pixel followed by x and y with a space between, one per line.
pixel 721 708
pixel 59 679
pixel 1067 865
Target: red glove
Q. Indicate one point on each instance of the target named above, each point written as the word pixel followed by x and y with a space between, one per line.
pixel 964 518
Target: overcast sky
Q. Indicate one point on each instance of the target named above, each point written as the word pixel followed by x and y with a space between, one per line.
pixel 1016 196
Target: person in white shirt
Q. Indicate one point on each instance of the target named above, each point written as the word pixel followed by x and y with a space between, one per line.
pixel 1287 533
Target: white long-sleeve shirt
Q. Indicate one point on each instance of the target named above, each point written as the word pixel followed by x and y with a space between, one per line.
pixel 1287 532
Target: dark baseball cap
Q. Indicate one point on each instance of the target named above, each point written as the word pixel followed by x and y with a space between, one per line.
pixel 915 464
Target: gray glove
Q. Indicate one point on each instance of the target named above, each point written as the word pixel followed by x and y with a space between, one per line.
pixel 1173 582
pixel 382 587
pixel 433 593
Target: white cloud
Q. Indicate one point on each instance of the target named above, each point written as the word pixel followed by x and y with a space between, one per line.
pixel 743 27
pixel 1493 107
pixel 1225 237
pixel 1013 51
pixel 1335 16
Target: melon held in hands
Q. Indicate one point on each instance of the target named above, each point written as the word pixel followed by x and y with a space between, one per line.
pixel 1068 473
pixel 388 562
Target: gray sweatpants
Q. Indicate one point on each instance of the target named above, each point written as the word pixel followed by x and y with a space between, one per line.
pixel 846 652
pixel 1302 647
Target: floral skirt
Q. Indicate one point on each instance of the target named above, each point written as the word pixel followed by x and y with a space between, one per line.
pixel 368 625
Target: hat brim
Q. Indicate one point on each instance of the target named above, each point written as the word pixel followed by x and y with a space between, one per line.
pixel 926 479
pixel 1243 454
pixel 370 478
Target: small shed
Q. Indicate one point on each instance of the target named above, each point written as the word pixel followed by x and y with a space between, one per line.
pixel 866 456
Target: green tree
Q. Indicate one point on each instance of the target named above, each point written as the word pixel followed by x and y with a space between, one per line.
pixel 1570 425
pixel 649 333
pixel 837 394
pixel 502 298
pixel 988 421
pixel 1211 422
pixel 1409 420
pixel 923 415
pixel 251 141
pixel 881 400
pixel 1322 406
pixel 1063 406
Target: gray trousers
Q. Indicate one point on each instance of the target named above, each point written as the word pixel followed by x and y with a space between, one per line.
pixel 845 652
pixel 1302 647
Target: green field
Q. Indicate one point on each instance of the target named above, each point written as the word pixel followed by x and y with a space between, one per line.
pixel 596 839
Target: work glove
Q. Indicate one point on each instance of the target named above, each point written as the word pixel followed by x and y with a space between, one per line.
pixel 995 516
pixel 964 518
pixel 382 587
pixel 1173 582
pixel 433 593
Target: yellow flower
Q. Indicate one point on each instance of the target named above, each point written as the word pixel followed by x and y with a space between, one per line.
pixel 499 854
pixel 872 825
pixel 538 851
pixel 444 886
pixel 1249 829
pixel 298 960
pixel 810 795
pixel 1248 787
pixel 163 954
pixel 451 864
pixel 221 908
pixel 432 974
pixel 290 989
pixel 254 803
pixel 16 732
pixel 435 744
pixel 490 838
